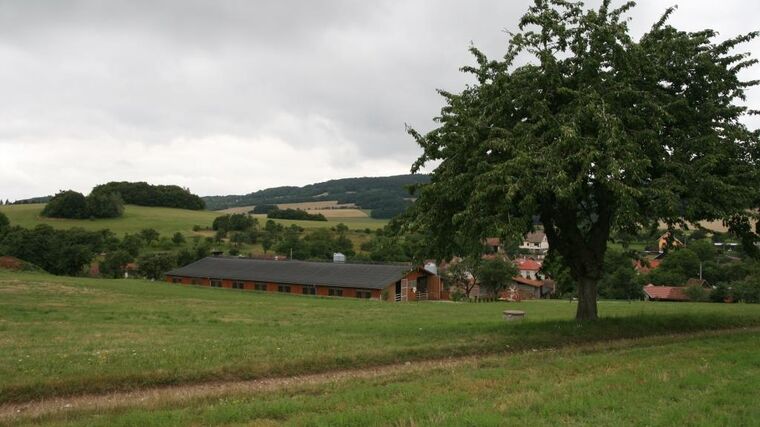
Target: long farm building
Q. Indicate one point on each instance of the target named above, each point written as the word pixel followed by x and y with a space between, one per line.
pixel 390 282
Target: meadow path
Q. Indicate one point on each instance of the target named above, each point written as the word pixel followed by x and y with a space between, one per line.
pixel 156 397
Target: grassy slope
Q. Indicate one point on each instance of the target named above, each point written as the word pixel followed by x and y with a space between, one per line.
pixel 70 335
pixel 709 380
pixel 166 220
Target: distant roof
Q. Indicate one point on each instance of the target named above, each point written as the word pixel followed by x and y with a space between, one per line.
pixel 523 281
pixel 641 265
pixel 346 275
pixel 535 237
pixel 666 293
pixel 528 264
pixel 697 282
pixel 493 241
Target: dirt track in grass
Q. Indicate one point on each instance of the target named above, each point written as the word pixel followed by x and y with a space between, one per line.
pixel 163 396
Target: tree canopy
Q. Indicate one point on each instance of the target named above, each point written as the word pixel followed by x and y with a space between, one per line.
pixel 144 194
pixel 597 132
pixel 74 205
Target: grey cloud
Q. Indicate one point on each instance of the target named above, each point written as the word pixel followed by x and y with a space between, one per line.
pixel 307 77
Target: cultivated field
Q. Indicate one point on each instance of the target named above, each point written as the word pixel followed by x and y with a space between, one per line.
pixel 166 220
pixel 330 209
pixel 65 336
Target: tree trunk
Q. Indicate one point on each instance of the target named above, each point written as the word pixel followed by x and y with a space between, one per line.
pixel 586 299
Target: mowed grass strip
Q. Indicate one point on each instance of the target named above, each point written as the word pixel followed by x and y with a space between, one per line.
pixel 65 336
pixel 688 380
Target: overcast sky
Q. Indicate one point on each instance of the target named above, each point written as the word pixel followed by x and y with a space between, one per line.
pixel 229 97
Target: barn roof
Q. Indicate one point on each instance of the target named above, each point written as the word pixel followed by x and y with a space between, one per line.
pixel 346 275
pixel 528 264
pixel 666 293
pixel 530 282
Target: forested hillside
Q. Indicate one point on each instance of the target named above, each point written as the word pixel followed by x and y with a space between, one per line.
pixel 385 196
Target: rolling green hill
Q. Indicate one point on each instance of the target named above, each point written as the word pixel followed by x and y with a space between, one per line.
pixel 385 196
pixel 166 221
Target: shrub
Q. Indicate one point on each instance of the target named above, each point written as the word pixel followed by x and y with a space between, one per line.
pixel 105 205
pixel 149 235
pixel 67 204
pixel 457 294
pixel 748 290
pixel 263 209
pixel 178 238
pixel 720 293
pixel 114 264
pixel 154 266
pixel 4 221
pixel 696 293
pixel 234 222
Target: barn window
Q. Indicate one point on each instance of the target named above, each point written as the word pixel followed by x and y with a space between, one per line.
pixel 309 290
pixel 260 286
pixel 283 288
pixel 333 292
pixel 363 294
pixel 176 280
pixel 216 283
pixel 195 282
pixel 238 285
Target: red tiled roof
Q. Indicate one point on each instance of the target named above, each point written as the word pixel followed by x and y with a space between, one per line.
pixel 666 293
pixel 641 267
pixel 493 241
pixel 523 281
pixel 528 264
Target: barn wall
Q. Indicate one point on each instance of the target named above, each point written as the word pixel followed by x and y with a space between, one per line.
pixel 434 287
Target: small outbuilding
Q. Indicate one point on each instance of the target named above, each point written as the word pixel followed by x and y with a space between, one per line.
pixel 665 293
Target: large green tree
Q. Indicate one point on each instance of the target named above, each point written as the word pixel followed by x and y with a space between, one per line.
pixel 596 132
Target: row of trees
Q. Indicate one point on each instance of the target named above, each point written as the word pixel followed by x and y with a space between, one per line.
pixel 65 252
pixel 319 244
pixel 74 205
pixel 72 251
pixel 297 214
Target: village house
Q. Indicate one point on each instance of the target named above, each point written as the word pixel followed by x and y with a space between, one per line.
pixel 529 268
pixel 668 241
pixel 521 288
pixel 535 243
pixel 391 282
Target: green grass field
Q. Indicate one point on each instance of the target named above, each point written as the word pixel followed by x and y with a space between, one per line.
pixel 63 336
pixel 704 380
pixel 166 221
